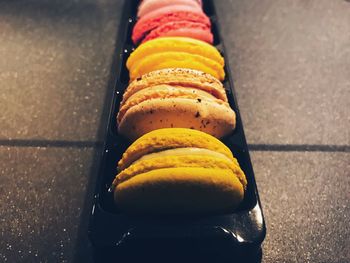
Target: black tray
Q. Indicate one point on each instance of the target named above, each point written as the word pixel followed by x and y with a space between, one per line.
pixel 116 236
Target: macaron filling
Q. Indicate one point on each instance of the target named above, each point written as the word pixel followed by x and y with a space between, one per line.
pixel 184 152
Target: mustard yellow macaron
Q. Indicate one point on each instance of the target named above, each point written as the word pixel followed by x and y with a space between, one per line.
pixel 178 171
pixel 175 52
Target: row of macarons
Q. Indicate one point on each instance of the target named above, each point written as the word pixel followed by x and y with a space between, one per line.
pixel 175 110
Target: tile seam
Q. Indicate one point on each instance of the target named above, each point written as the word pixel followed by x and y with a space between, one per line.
pixel 252 147
pixel 50 143
pixel 299 147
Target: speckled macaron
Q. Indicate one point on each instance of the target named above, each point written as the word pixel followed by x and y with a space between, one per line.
pixel 175 98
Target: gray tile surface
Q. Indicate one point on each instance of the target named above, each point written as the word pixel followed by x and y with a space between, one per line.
pixel 291 63
pixel 54 67
pixel 42 193
pixel 306 202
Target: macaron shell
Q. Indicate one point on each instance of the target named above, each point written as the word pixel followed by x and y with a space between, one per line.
pixel 148 6
pixel 174 60
pixel 161 162
pixel 212 118
pixel 165 92
pixel 173 8
pixel 181 29
pixel 174 44
pixel 160 17
pixel 180 190
pixel 180 77
pixel 161 139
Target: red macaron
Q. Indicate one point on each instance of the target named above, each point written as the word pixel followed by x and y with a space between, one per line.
pixel 173 20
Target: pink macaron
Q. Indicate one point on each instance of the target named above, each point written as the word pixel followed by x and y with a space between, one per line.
pixel 148 6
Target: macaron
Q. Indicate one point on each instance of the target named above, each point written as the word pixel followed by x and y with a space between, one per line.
pixel 175 52
pixel 178 171
pixel 175 98
pixel 148 6
pixel 181 29
pixel 171 18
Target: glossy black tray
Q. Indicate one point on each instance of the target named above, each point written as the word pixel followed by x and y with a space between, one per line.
pixel 117 237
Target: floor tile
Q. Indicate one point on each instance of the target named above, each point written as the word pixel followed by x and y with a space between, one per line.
pixel 54 68
pixel 42 193
pixel 306 203
pixel 291 63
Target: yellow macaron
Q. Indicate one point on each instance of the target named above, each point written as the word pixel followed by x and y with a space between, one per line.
pixel 178 171
pixel 175 52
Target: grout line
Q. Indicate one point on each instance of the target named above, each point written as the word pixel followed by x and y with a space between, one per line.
pixel 49 143
pixel 251 147
pixel 299 148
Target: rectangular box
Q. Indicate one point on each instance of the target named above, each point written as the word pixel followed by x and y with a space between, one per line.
pixel 114 235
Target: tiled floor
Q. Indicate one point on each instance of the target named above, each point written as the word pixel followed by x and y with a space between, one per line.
pixel 291 63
